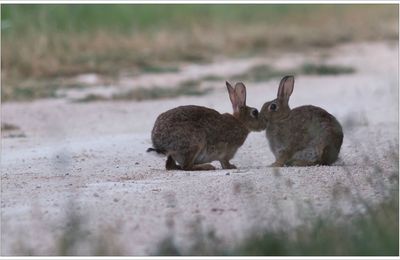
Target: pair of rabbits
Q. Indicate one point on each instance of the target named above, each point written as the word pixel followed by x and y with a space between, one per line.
pixel 194 136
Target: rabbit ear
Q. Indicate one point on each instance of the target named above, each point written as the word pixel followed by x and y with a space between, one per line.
pixel 286 88
pixel 240 90
pixel 233 97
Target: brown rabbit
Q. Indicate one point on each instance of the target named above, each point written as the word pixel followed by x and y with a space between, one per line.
pixel 193 136
pixel 302 136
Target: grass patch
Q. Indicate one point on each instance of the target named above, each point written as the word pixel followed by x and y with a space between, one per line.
pixel 190 84
pixel 75 235
pixel 321 69
pixel 47 41
pixel 374 233
pixel 264 72
pixel 186 88
pixel 213 78
pixel 371 234
pixel 260 73
pixel 29 92
pixel 76 240
pixel 159 69
pixel 139 94
pixel 35 89
pixel 202 242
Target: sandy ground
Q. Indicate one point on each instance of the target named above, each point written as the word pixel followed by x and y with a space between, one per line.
pixel 90 158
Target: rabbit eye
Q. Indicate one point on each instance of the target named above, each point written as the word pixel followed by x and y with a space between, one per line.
pixel 254 113
pixel 272 107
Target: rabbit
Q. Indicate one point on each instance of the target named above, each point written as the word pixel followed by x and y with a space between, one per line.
pixel 303 136
pixel 194 136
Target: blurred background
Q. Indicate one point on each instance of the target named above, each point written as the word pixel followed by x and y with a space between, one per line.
pixel 43 45
pixel 83 84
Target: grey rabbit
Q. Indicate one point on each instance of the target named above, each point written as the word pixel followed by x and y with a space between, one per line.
pixel 303 136
pixel 194 136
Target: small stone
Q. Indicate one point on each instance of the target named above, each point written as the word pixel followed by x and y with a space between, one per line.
pixel 116 200
pixel 228 173
pixel 136 163
pixel 96 195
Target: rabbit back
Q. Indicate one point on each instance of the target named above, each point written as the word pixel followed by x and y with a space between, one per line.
pixel 309 133
pixel 197 130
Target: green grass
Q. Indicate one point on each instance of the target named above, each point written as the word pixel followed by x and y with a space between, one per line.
pixel 212 77
pixel 76 240
pixel 32 92
pixel 131 18
pixel 35 89
pixel 374 233
pixel 140 94
pixel 49 41
pixel 75 234
pixel 263 72
pixel 186 88
pixel 159 69
pixel 322 69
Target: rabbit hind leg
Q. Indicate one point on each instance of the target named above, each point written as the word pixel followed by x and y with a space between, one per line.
pixel 187 162
pixel 171 165
pixel 330 155
pixel 307 157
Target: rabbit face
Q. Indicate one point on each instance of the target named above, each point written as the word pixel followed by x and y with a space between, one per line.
pixel 274 111
pixel 249 116
pixel 278 109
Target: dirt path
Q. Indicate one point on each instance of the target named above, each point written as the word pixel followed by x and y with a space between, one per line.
pixel 90 157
